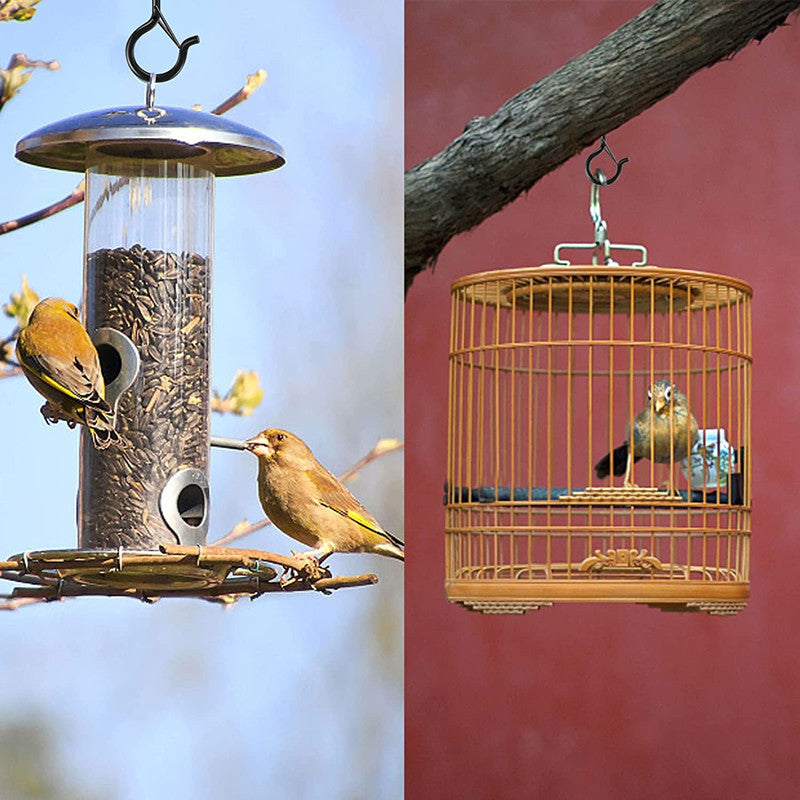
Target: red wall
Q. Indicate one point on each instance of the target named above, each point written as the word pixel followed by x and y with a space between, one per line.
pixel 608 701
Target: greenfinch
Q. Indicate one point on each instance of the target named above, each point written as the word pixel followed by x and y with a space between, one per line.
pixel 309 504
pixel 61 363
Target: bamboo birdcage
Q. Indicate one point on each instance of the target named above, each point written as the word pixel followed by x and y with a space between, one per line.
pixel 547 366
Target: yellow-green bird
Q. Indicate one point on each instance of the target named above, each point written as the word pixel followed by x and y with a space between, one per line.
pixel 61 363
pixel 311 505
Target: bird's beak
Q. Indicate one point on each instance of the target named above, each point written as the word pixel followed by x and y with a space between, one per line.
pixel 659 406
pixel 258 445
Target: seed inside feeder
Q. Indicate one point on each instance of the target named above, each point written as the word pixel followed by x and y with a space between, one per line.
pixel 160 301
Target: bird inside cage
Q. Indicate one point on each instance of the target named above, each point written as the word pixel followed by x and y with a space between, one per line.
pixel 664 431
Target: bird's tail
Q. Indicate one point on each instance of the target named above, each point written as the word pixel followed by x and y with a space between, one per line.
pixel 390 549
pixel 391 545
pixel 620 456
pixel 100 427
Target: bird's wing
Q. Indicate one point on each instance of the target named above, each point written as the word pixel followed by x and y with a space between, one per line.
pixel 334 496
pixel 74 378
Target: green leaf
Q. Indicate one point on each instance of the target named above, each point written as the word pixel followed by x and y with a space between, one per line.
pixel 19 69
pixel 17 10
pixel 21 304
pixel 244 395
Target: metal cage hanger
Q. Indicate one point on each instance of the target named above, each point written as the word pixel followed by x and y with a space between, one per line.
pixel 602 246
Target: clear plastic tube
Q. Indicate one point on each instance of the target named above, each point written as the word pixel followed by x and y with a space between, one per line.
pixel 148 245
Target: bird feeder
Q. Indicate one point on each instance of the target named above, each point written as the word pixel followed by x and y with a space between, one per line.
pixel 143 501
pixel 549 366
pixel 148 252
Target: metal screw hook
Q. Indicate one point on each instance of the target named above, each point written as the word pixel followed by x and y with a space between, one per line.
pixel 599 179
pixel 602 245
pixel 594 199
pixel 157 18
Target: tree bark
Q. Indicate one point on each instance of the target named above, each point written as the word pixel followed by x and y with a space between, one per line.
pixel 497 158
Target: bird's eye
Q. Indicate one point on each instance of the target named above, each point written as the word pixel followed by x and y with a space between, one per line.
pixel 280 437
pixel 667 393
pixel 649 395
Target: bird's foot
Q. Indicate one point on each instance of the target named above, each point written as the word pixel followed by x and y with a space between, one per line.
pixel 49 413
pixel 668 487
pixel 52 415
pixel 629 485
pixel 310 569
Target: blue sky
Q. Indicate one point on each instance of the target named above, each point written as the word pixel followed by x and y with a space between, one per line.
pixel 297 694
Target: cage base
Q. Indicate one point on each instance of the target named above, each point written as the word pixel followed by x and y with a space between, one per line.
pixel 218 574
pixel 515 597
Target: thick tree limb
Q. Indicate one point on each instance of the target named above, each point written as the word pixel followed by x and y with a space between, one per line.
pixel 497 158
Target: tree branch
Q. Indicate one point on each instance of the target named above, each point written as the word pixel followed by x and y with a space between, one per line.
pixel 20 67
pixel 72 199
pixel 382 448
pixel 497 158
pixel 251 84
pixel 241 529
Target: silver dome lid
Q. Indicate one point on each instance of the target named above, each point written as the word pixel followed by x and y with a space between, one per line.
pixel 219 145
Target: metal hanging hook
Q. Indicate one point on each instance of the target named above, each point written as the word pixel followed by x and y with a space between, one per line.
pixel 594 199
pixel 602 245
pixel 599 179
pixel 157 18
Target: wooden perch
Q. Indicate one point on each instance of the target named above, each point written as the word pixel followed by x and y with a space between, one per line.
pixel 217 574
pixel 497 158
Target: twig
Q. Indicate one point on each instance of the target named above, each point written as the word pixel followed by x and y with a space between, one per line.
pixel 5 355
pixel 208 552
pixel 72 199
pixel 247 572
pixel 251 84
pixel 10 338
pixel 77 195
pixel 245 528
pixel 382 448
pixel 224 405
pixel 13 603
pixel 339 582
pixel 19 70
pixel 233 587
pixel 499 157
